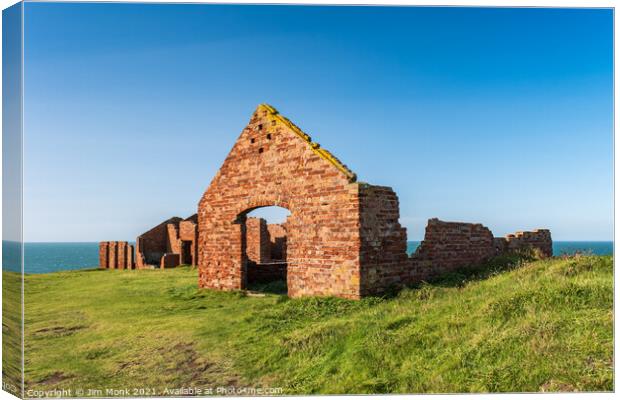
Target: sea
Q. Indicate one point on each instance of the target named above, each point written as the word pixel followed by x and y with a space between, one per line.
pixel 42 258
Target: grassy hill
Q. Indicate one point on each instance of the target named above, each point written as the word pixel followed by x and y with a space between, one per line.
pixel 538 326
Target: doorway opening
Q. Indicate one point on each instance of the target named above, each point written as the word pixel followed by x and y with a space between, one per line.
pixel 186 252
pixel 265 249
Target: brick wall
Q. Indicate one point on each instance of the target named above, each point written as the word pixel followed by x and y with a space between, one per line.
pixel 539 239
pixel 116 255
pixel 383 251
pixel 264 242
pixel 188 234
pixel 153 244
pixel 129 262
pixel 170 260
pixel 103 254
pixel 451 245
pixel 173 244
pixel 343 238
pixel 277 240
pixel 258 249
pixel 273 163
pixel 112 260
pixel 121 255
pixel 187 230
pixel 173 236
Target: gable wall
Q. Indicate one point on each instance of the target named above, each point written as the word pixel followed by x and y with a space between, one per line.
pixel 323 228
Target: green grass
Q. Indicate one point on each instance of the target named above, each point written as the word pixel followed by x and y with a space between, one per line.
pixel 540 326
pixel 11 333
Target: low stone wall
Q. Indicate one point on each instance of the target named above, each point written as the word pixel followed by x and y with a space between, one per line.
pixel 116 255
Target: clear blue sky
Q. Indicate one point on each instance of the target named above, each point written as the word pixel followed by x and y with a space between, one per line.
pixel 500 116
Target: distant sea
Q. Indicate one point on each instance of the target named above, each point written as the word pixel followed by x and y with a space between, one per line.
pixel 559 247
pixel 49 257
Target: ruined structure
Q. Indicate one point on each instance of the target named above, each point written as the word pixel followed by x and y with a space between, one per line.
pixel 265 250
pixel 171 243
pixel 342 237
pixel 116 255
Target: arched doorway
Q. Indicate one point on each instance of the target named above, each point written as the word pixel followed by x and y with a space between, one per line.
pixel 264 237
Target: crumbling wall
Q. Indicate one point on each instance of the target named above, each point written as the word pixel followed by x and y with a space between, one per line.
pixel 173 236
pixel 343 238
pixel 116 255
pixel 258 249
pixel 277 241
pixel 173 244
pixel 451 245
pixel 383 241
pixel 264 242
pixel 539 239
pixel 154 243
pixel 187 230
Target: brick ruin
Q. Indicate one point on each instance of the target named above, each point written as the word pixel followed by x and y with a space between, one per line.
pixel 342 237
pixel 169 244
pixel 265 250
pixel 116 255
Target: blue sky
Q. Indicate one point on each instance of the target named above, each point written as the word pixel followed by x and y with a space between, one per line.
pixel 501 116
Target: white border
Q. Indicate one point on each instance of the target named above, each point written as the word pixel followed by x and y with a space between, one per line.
pixel 479 3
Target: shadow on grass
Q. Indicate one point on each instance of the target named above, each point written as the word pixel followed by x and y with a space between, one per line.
pixel 457 278
pixel 497 265
pixel 274 287
pixel 464 275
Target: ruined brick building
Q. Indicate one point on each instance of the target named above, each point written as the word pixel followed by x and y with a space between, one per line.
pixel 342 238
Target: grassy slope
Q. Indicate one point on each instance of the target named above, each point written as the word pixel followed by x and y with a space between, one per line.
pixel 11 332
pixel 544 326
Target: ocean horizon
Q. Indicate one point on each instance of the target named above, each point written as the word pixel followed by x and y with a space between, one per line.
pixel 45 257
